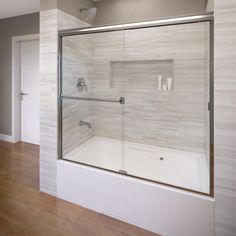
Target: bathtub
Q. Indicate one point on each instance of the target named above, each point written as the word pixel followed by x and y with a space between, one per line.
pixel 171 166
pixel 152 206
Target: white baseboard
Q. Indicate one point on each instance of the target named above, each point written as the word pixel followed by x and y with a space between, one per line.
pixel 7 138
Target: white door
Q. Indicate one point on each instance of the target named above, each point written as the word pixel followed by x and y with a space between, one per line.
pixel 30 103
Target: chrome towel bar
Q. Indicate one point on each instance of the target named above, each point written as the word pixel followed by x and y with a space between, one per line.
pixel 121 100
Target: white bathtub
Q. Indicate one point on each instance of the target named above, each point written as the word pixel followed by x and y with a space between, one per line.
pixel 155 207
pixel 175 167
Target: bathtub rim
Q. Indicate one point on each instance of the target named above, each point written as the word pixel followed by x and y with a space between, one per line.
pixel 159 183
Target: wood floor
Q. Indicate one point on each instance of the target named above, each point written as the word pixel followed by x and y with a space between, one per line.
pixel 26 211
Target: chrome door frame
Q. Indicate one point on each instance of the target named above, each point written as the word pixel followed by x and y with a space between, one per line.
pixel 208 17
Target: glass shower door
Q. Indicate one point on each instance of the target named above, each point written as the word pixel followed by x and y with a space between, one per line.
pixel 92 108
pixel 166 71
pixel 137 101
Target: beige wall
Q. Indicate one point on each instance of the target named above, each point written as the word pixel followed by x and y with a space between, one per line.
pixel 71 7
pixel 48 4
pixel 210 5
pixel 21 25
pixel 121 11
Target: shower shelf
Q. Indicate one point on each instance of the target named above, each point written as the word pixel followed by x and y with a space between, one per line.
pixel 139 74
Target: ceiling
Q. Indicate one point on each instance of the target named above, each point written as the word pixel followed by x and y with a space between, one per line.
pixel 10 8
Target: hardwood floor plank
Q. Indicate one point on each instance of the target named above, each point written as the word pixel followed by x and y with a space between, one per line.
pixel 24 211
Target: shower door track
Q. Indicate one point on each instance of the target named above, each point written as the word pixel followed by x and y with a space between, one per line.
pixel 187 19
pixel 143 24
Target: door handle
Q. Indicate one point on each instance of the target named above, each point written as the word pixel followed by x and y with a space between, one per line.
pixel 22 95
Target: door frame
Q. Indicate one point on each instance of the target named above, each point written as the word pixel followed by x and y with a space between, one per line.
pixel 16 78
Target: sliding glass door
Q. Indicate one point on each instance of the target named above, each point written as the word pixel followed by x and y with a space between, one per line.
pixel 137 102
pixel 92 108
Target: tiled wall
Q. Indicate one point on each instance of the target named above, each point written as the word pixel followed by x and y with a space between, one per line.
pixel 225 117
pixel 127 64
pixel 225 86
pixel 175 119
pixel 169 118
pixel 76 63
pixel 50 22
pixel 48 101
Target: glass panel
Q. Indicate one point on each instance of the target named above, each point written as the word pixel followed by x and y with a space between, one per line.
pixel 161 133
pixel 89 137
pixel 166 110
pixel 92 128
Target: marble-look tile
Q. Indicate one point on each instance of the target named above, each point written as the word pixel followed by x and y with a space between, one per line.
pixel 175 119
pixel 50 22
pixel 225 117
pixel 127 63
pixel 66 21
pixel 76 63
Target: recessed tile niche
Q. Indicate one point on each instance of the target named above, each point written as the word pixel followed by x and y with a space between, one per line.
pixel 140 74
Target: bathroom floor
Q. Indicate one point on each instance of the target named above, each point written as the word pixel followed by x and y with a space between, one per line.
pixel 26 211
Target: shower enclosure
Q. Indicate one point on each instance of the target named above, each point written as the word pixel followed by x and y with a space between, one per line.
pixel 137 99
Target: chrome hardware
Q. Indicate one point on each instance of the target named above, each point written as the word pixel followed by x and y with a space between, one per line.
pixel 137 25
pixel 22 95
pixel 209 106
pixel 81 85
pixel 84 123
pixel 121 100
